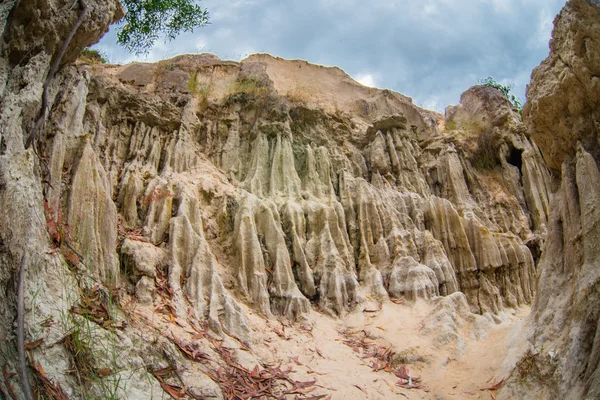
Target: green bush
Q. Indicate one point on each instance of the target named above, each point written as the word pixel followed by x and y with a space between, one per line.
pixel 505 90
pixel 94 56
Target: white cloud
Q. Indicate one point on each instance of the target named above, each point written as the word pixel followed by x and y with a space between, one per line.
pixel 201 44
pixel 367 80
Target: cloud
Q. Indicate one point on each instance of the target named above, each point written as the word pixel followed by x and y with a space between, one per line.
pixel 366 80
pixel 424 49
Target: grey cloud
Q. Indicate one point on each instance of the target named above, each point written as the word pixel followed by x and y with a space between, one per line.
pixel 429 50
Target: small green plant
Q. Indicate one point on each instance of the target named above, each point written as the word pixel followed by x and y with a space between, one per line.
pixel 250 86
pixel 200 90
pixel 451 125
pixel 95 56
pixel 505 90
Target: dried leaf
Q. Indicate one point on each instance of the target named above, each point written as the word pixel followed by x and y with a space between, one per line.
pixel 374 310
pixel 174 391
pixel 33 345
pixel 362 390
pixel 9 386
pixel 104 372
pixel 495 386
pixel 164 371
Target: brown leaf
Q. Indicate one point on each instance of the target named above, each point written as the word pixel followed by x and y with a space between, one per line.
pixel 319 352
pixel 174 391
pixel 9 386
pixel 199 336
pixel 362 390
pixel 495 386
pixel 48 323
pixel 374 310
pixel 164 371
pixel 318 373
pixel 297 360
pixel 33 345
pixel 104 372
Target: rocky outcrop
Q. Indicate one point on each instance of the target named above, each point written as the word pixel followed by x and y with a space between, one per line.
pixel 562 115
pixel 316 206
pixel 201 193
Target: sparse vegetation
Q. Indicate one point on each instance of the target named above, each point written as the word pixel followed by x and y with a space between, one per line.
pixel 93 56
pixel 250 86
pixel 505 90
pixel 200 90
pixel 451 125
pixel 300 94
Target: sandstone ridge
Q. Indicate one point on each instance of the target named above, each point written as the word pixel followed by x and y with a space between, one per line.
pixel 199 198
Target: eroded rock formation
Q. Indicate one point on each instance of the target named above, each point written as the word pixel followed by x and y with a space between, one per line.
pixel 210 190
pixel 562 114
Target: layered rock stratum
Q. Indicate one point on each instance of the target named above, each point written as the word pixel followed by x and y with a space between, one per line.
pixel 177 214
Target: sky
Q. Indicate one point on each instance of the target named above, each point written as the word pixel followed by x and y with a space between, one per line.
pixel 430 50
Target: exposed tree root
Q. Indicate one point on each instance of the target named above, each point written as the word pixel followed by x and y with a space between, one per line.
pixel 53 70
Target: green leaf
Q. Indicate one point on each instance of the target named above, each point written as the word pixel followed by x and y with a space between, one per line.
pixel 147 20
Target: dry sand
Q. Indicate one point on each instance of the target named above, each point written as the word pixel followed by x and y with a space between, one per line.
pixel 315 349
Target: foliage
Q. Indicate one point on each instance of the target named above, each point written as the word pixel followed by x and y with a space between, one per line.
pixel 250 86
pixel 146 20
pixel 505 90
pixel 94 56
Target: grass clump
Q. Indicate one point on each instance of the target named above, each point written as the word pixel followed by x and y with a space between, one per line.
pixel 250 86
pixel 93 56
pixel 201 90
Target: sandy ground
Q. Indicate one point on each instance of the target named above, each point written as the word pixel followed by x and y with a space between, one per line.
pixel 457 370
pixel 316 349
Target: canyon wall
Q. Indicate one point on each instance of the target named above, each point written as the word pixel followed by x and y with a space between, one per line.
pixel 562 115
pixel 214 191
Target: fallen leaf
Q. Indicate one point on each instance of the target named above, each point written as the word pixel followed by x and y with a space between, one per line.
pixel 164 371
pixel 362 390
pixel 33 345
pixel 495 386
pixel 104 372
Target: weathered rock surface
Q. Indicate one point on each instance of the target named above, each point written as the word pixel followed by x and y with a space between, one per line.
pixel 208 191
pixel 562 115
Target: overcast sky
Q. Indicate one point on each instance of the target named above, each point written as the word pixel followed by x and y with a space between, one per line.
pixel 430 50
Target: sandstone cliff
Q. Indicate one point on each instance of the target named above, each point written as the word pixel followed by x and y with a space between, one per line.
pixel 562 114
pixel 197 195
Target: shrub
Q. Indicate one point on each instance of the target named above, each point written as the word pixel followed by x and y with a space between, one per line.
pixel 94 56
pixel 505 90
pixel 250 86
